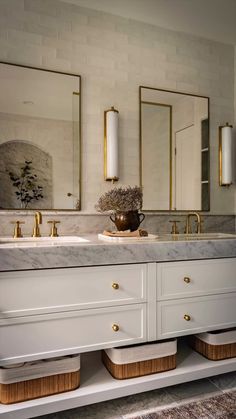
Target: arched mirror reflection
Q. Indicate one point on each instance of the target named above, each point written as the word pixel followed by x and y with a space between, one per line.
pixel 174 150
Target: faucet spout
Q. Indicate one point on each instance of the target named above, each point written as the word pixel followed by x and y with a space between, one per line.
pixel 37 221
pixel 188 227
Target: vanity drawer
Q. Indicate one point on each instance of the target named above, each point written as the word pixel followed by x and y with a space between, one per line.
pixel 193 278
pixel 49 335
pixel 199 314
pixel 54 290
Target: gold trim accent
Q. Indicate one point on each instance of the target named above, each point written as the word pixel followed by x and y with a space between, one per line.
pixel 76 93
pixel 113 179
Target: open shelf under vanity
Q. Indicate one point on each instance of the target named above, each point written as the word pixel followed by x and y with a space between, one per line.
pixel 97 384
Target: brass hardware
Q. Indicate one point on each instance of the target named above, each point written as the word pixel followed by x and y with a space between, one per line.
pixel 115 286
pixel 174 227
pixel 113 179
pixel 17 230
pixel 187 279
pixel 115 327
pixel 201 225
pixel 188 227
pixel 53 232
pixel 37 221
pixel 187 317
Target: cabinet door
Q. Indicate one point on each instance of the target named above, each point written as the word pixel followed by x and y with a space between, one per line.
pixel 48 335
pixel 193 278
pixel 193 315
pixel 54 290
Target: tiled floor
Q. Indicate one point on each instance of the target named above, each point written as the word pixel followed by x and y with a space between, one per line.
pixel 170 396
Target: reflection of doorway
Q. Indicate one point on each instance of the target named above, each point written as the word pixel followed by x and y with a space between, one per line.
pixel 187 171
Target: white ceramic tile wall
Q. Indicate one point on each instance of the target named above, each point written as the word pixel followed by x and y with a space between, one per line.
pixel 114 56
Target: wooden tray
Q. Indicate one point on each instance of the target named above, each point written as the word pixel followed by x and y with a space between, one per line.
pixel 216 345
pixel 144 366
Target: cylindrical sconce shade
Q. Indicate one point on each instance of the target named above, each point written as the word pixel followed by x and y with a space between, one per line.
pixel 111 149
pixel 226 155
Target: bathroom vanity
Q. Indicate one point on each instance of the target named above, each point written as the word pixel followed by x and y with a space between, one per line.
pixel 80 298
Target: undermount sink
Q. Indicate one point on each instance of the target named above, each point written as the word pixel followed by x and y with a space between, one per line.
pixel 203 236
pixel 37 241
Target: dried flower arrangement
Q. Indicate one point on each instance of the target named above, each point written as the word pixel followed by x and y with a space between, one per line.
pixel 122 199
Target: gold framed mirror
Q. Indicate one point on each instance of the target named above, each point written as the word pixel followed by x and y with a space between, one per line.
pixel 40 139
pixel 174 150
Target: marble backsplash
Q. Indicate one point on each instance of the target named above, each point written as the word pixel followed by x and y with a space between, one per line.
pixel 83 223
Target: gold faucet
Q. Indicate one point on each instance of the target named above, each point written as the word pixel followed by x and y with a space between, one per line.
pixel 37 221
pixel 188 227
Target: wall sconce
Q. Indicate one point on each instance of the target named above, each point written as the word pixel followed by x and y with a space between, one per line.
pixel 225 155
pixel 111 150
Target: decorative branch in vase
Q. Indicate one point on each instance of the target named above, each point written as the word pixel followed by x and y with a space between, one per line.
pixel 124 203
pixel 26 183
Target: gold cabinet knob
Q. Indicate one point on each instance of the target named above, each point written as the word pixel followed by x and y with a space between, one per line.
pixel 115 327
pixel 187 279
pixel 187 317
pixel 115 286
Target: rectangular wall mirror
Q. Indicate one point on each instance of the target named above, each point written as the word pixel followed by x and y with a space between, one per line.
pixel 40 130
pixel 174 150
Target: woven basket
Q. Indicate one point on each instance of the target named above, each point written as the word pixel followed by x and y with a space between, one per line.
pixel 27 388
pixel 216 345
pixel 138 360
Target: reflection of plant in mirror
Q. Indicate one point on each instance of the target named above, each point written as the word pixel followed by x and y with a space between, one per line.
pixel 26 184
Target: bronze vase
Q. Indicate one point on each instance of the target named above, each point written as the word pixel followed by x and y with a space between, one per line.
pixel 127 220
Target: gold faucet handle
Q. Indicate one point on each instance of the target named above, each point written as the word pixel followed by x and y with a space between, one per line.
pixel 199 227
pixel 53 232
pixel 174 226
pixel 17 230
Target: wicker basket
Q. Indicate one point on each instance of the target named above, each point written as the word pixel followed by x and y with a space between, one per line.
pixel 38 379
pixel 138 360
pixel 217 345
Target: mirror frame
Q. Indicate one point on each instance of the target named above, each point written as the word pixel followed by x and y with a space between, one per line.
pixel 25 210
pixel 141 143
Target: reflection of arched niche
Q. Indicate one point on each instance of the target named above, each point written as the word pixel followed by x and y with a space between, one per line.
pixel 13 155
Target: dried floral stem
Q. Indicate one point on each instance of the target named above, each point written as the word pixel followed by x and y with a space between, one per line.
pixel 121 199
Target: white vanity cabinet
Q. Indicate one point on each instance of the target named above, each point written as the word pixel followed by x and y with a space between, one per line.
pixel 195 296
pixel 53 312
pixel 45 313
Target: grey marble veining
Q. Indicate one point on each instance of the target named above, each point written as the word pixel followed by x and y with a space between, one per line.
pixel 96 252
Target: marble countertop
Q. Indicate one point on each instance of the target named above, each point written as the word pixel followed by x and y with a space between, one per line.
pixel 97 252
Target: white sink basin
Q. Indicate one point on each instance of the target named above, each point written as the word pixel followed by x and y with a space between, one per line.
pixel 40 241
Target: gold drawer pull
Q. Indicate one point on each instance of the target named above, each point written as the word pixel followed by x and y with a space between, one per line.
pixel 115 286
pixel 115 327
pixel 187 279
pixel 187 317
